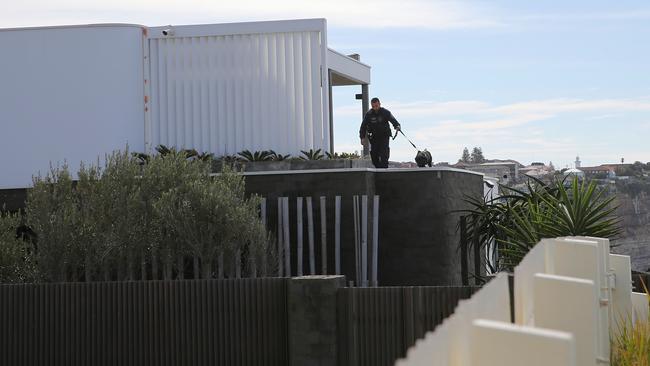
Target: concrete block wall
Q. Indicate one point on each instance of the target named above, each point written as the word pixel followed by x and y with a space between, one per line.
pixel 418 218
pixel 312 320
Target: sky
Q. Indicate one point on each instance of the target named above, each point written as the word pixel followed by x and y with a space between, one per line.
pixel 534 81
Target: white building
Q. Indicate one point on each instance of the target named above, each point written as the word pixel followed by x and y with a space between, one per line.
pixel 77 92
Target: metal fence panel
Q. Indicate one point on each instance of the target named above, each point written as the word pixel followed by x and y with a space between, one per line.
pixel 377 325
pixel 197 322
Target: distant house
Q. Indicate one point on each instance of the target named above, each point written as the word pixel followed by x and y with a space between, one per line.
pixel 619 169
pixel 601 170
pixel 504 170
pixel 573 172
pixel 536 170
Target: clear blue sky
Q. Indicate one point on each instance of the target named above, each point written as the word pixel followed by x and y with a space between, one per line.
pixel 531 81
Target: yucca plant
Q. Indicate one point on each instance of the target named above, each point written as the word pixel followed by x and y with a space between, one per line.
pixel 229 159
pixel 205 156
pixel 278 157
pixel 312 154
pixel 164 151
pixel 511 225
pixel 249 156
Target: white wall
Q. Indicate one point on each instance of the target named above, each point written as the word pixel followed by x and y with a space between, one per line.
pixel 229 87
pixel 70 93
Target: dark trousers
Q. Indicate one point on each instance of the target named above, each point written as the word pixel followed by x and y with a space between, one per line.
pixel 379 151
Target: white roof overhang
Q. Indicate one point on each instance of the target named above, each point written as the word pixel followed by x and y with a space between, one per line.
pixel 346 70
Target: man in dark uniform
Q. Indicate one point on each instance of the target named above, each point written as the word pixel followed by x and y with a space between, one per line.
pixel 375 126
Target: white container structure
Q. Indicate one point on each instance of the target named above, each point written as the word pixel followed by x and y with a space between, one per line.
pixel 77 92
pixel 68 93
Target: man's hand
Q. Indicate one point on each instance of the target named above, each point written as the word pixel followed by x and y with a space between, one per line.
pixel 364 141
pixel 398 129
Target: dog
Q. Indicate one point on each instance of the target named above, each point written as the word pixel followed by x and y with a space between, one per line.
pixel 423 158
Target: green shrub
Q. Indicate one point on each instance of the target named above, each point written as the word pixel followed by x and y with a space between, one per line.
pixel 52 212
pixel 16 260
pixel 214 219
pixel 127 219
pixel 632 346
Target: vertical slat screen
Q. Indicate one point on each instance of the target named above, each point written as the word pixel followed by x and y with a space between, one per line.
pixel 224 94
pixel 194 322
pixel 377 325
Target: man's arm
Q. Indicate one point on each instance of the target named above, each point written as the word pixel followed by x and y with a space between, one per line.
pixel 364 127
pixel 393 121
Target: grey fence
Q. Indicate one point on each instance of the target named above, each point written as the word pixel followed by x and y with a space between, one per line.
pixel 377 325
pixel 213 322
pixel 194 322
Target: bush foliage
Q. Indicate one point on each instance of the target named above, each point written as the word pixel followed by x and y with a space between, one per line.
pixel 509 226
pixel 632 346
pixel 16 255
pixel 137 218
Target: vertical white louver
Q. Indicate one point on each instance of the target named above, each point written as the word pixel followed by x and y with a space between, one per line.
pixel 227 93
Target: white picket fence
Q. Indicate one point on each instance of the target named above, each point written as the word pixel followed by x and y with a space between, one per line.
pixel 570 296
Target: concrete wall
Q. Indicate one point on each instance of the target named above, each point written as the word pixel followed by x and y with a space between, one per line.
pixel 312 320
pixel 419 226
pixel 418 236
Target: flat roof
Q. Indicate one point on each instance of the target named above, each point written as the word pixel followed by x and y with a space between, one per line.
pixel 374 170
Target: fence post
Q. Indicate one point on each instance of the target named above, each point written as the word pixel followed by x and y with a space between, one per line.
pixel 337 236
pixel 299 255
pixel 312 310
pixel 364 241
pixel 264 253
pixel 310 231
pixel 280 240
pixel 375 240
pixel 463 251
pixel 323 234
pixel 477 261
pixel 286 232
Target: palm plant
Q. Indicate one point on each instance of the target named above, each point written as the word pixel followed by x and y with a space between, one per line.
pixel 278 157
pixel 249 156
pixel 312 154
pixel 508 227
pixel 204 156
pixel 164 150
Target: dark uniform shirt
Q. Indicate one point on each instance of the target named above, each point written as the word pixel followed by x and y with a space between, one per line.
pixel 376 124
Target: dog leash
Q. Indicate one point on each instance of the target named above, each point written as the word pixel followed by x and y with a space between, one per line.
pixel 407 139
